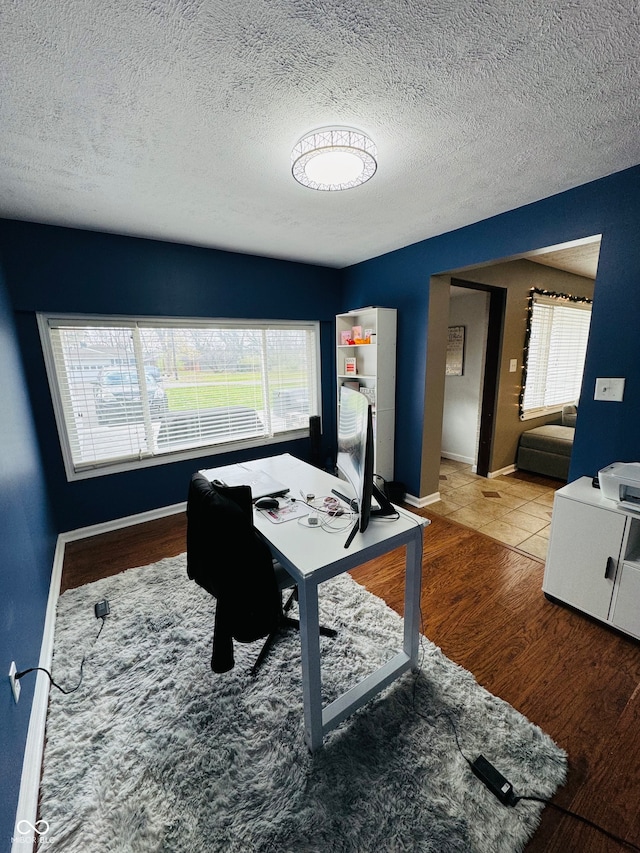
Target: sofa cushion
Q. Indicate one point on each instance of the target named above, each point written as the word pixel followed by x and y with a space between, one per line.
pixel 569 414
pixel 551 438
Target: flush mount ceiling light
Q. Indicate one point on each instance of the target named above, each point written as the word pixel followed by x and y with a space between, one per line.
pixel 333 158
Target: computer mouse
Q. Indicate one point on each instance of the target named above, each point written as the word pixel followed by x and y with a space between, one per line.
pixel 267 503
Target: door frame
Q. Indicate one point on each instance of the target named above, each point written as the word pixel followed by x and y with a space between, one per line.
pixel 491 373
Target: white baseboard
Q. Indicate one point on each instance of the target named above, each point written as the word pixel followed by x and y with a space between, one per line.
pixel 412 500
pixel 509 469
pixel 120 523
pixel 27 809
pixel 456 457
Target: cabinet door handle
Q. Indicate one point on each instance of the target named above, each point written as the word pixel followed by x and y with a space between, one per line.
pixel 610 568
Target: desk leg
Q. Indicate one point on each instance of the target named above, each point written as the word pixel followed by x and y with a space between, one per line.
pixel 311 678
pixel 412 590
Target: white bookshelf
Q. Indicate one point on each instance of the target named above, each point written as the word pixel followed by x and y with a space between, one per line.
pixel 375 373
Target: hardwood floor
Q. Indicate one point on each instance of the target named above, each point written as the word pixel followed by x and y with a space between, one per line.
pixel 108 554
pixel 482 603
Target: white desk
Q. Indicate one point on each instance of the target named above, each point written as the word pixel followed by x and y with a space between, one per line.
pixel 314 556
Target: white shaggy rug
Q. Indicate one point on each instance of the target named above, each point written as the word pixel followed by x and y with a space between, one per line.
pixel 155 752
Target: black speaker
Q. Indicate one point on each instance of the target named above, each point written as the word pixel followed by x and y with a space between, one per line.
pixel 315 434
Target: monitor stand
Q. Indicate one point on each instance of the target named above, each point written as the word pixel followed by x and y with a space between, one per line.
pixel 386 507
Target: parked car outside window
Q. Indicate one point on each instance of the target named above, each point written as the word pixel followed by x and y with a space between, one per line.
pixel 119 399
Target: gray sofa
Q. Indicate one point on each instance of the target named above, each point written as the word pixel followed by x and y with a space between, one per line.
pixel 547 449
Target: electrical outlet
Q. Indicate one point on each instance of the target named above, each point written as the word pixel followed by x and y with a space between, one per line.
pixel 15 684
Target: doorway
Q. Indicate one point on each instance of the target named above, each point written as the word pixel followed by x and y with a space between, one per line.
pixel 565 268
pixel 471 397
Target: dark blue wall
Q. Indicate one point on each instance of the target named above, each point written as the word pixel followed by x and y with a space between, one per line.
pixel 606 432
pixel 66 270
pixel 28 544
pixel 63 270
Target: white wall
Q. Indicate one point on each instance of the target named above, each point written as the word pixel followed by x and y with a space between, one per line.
pixel 462 394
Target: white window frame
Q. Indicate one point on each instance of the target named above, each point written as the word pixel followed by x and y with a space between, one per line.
pixel 550 300
pixel 48 321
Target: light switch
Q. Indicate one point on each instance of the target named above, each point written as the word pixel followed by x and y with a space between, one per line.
pixel 609 389
pixel 513 365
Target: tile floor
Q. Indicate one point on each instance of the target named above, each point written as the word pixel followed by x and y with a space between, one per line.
pixel 514 509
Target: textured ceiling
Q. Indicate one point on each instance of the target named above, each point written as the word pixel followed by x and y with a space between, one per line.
pixel 580 260
pixel 175 119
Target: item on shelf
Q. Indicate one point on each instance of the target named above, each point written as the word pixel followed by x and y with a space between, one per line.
pixel 350 365
pixel 369 393
pixel 374 370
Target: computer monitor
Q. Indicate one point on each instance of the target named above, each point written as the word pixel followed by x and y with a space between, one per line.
pixel 355 459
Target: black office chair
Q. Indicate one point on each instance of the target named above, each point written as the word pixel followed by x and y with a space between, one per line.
pixel 227 557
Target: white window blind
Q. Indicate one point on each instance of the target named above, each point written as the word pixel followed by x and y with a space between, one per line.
pixel 132 392
pixel 555 354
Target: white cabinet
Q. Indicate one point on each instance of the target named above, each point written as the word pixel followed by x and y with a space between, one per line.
pixel 593 562
pixel 366 360
pixel 626 606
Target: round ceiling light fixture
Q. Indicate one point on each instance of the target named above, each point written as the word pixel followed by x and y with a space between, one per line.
pixel 333 158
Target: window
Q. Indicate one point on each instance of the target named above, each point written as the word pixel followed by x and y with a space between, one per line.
pixel 555 349
pixel 134 392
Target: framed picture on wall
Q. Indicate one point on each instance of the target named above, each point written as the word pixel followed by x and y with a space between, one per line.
pixel 455 351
